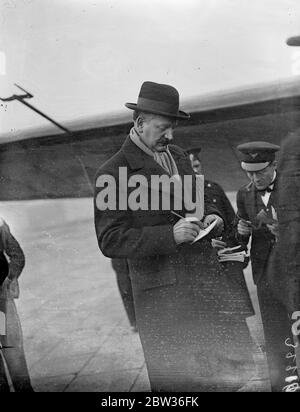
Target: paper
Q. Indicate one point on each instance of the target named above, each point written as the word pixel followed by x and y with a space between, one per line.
pixel 234 257
pixel 230 250
pixel 206 231
pixel 234 254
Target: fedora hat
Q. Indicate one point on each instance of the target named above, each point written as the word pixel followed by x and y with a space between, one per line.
pixel 159 99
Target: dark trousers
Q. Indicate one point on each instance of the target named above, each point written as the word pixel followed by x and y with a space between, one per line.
pixel 277 331
pixel 4 387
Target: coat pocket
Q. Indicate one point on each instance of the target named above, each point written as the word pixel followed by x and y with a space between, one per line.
pixel 152 272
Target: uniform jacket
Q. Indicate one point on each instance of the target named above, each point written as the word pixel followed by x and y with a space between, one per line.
pixel 284 271
pixel 10 246
pixel 218 198
pixel 249 204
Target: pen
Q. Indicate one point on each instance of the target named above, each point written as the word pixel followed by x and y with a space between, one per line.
pixel 177 214
pixel 188 219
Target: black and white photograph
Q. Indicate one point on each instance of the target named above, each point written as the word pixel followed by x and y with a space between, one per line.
pixel 149 198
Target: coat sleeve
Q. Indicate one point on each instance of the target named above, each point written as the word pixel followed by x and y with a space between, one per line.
pixel 241 213
pixel 227 207
pixel 228 212
pixel 241 207
pixel 119 237
pixel 211 209
pixel 13 250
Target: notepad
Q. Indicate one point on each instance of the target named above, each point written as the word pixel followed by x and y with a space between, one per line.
pixel 234 254
pixel 206 231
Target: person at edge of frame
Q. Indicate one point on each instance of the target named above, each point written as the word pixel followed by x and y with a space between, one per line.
pixel 183 303
pixel 257 205
pixel 12 342
pixel 283 271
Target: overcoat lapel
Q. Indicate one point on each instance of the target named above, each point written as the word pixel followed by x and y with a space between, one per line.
pixel 140 162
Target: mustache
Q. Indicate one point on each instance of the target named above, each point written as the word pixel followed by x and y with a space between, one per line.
pixel 164 142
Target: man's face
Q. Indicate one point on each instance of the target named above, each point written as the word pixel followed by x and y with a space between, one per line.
pixel 156 132
pixel 263 178
pixel 196 164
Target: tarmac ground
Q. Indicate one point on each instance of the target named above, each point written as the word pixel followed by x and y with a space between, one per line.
pixel 76 334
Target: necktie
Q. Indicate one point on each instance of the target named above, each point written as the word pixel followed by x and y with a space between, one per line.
pixel 269 189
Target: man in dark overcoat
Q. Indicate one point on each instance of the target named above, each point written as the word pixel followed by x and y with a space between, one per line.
pixel 183 303
pixel 257 205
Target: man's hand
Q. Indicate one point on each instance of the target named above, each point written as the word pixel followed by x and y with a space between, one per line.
pixel 219 228
pixel 244 228
pixel 185 231
pixel 274 229
pixel 218 244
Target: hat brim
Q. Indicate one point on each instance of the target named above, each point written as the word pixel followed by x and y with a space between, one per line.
pixel 179 115
pixel 293 41
pixel 254 167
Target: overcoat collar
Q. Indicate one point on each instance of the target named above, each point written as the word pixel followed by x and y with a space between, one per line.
pixel 139 160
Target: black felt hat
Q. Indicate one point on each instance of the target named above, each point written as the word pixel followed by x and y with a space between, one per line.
pixel 160 99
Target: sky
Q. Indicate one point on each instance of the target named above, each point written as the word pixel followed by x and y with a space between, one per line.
pixel 88 57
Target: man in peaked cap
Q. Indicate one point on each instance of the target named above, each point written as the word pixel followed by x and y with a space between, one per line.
pixel 257 204
pixel 176 285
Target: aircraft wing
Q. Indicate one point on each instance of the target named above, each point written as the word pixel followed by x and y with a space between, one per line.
pixel 44 163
